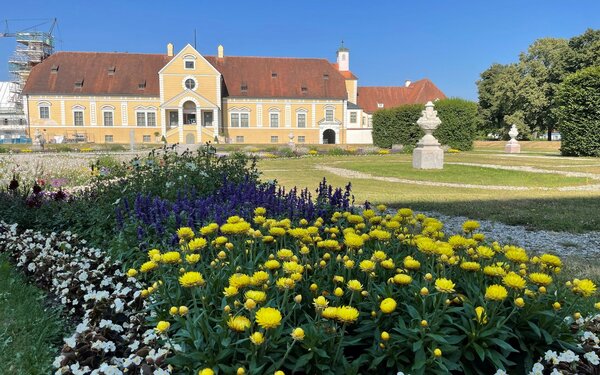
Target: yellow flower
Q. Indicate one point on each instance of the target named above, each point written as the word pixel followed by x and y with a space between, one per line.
pixel 256 295
pixel 298 334
pixel 285 254
pixel 457 241
pixel 238 323
pixel 279 372
pixel 585 287
pixel 540 278
pixel 485 252
pixel 411 264
pixel 268 317
pixel 239 280
pixel 174 310
pixel 354 285
pixel 285 283
pixel 185 233
pixel 132 272
pixel 470 225
pixel 354 219
pixel 480 314
pixel 209 229
pixel 192 258
pixel 152 253
pixel 444 285
pixel 170 257
pixel 276 231
pixel 353 241
pixel 272 264
pixel 148 266
pixel 380 235
pixel 437 352
pixel 470 266
pixel 320 303
pixel 347 314
pixel 551 260
pixel 260 211
pixel 424 291
pixel 206 371
pixel 556 306
pixel 405 212
pixel 298 298
pixel 221 240
pixel 230 291
pixel 197 244
pixel 496 293
pixel 517 255
pixel 257 338
pixel 238 227
pixel 183 310
pixel 250 304
pixel 259 278
pixel 378 256
pixel 329 312
pixel 424 323
pixel 367 265
pixel 388 264
pixel 388 305
pixel 494 271
pixel 162 326
pixel 241 371
pixel 514 281
pixel 597 305
pixel 519 302
pixel 190 279
pixel 338 292
pixel 292 267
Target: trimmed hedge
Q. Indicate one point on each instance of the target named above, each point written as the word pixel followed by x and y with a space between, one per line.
pixel 578 113
pixel 399 125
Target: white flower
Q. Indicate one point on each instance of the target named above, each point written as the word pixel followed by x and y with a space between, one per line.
pixel 556 372
pixel 592 358
pixel 500 372
pixel 551 357
pixel 538 369
pixel 568 357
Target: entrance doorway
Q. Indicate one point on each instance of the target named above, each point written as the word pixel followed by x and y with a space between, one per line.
pixel 329 137
pixel 189 113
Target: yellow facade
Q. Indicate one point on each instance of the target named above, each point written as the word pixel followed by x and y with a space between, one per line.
pixel 190 109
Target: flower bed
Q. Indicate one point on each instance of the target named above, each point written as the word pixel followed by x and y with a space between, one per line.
pixel 111 334
pixel 370 293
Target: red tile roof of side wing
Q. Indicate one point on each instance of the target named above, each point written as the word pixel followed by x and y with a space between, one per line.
pixel 317 76
pixel 131 69
pixel 419 92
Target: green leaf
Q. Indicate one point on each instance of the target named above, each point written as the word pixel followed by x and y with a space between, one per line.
pixel 302 361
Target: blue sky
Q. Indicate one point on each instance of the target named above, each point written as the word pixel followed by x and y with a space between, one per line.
pixel 450 42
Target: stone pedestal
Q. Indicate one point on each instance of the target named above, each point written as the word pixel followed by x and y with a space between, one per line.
pixel 428 154
pixel 512 148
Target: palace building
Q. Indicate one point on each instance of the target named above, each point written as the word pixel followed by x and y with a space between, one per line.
pixel 190 98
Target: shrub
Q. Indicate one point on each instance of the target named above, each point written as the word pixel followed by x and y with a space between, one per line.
pixel 459 123
pixel 579 113
pixel 357 297
pixel 397 126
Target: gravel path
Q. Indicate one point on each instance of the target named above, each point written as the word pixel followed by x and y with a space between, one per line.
pixel 593 176
pixel 582 244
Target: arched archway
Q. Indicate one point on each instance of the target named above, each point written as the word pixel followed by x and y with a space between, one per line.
pixel 189 113
pixel 190 139
pixel 329 137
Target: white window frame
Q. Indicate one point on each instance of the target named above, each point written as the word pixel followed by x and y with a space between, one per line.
pixel 329 109
pixel 275 138
pixel 301 139
pixel 239 139
pixel 146 136
pixel 274 111
pixel 304 113
pixel 76 109
pixel 193 79
pixel 108 109
pixel 145 113
pixel 355 115
pixel 112 138
pixel 46 105
pixel 189 58
pixel 238 113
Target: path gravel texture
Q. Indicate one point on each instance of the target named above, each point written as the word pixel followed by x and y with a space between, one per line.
pixel 561 243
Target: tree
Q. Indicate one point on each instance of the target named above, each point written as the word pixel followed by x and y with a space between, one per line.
pixel 578 112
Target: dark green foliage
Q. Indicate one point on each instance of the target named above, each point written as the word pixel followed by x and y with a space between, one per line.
pixel 399 125
pixel 579 113
pixel 459 123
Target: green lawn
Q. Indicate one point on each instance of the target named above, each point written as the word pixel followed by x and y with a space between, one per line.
pixel 552 209
pixel 30 332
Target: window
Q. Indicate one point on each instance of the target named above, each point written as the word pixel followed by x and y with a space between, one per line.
pixel 379 105
pixel 108 139
pixel 108 118
pixel 190 84
pixel 146 138
pixel 244 120
pixel 274 120
pixel 329 115
pixel 301 123
pixel 144 118
pixel 274 139
pixel 78 118
pixel 44 112
pixel 353 117
pixel 301 139
pixel 235 120
pixel 239 139
pixel 189 64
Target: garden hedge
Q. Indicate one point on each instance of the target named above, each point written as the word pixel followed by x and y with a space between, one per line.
pixel 579 113
pixel 399 125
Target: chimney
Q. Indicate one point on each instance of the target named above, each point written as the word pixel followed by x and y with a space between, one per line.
pixel 220 51
pixel 170 49
pixel 343 58
pixel 407 83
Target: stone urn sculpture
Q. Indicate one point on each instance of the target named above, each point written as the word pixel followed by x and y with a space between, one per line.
pixel 428 154
pixel 513 147
pixel 291 142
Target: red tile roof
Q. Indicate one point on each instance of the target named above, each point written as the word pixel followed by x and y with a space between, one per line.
pixel 346 74
pixel 419 92
pixel 131 69
pixel 296 77
pixel 319 78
